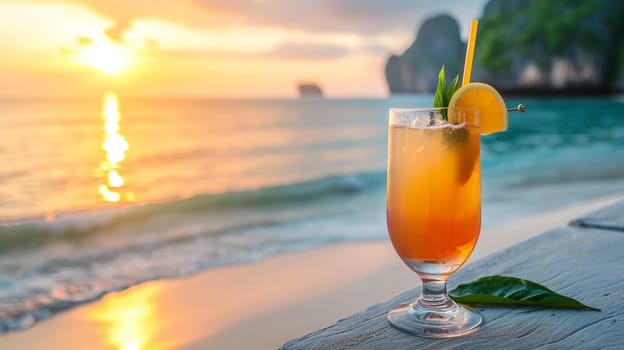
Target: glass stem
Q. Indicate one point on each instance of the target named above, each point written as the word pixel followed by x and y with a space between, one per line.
pixel 435 297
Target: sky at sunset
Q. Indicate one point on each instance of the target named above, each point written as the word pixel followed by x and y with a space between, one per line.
pixel 212 48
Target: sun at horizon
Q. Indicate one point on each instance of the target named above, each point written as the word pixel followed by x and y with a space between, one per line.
pixel 106 57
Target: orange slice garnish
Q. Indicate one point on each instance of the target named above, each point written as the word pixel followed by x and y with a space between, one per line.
pixel 493 116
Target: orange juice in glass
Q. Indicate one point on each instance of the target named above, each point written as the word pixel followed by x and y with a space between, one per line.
pixel 434 211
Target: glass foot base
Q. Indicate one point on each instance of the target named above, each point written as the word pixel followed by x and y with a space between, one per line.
pixel 454 321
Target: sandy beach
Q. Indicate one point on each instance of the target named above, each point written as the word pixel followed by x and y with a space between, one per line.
pixel 260 305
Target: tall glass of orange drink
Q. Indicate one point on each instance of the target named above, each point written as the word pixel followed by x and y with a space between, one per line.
pixel 434 211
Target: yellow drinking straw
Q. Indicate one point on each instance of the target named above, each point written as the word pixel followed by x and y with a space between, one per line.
pixel 472 38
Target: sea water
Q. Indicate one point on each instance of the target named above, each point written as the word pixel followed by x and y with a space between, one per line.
pixel 97 195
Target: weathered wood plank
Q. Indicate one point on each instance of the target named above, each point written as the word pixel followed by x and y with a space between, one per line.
pixel 585 264
pixel 608 218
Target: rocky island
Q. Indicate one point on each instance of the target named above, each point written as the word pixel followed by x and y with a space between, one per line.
pixel 523 47
pixel 309 90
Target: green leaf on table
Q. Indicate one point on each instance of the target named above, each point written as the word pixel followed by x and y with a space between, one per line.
pixel 503 290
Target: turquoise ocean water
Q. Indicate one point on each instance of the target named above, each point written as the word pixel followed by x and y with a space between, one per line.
pixel 97 195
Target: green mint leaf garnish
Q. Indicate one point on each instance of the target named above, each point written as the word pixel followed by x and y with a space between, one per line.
pixel 440 94
pixel 443 93
pixel 451 89
pixel 503 290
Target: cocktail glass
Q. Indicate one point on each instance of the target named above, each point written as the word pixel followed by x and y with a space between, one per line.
pixel 434 211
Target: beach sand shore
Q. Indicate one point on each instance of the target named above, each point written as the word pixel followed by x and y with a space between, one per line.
pixel 259 305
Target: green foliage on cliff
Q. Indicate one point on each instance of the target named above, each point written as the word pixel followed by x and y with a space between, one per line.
pixel 493 42
pixel 539 29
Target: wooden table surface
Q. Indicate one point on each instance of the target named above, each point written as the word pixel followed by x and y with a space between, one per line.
pixel 584 260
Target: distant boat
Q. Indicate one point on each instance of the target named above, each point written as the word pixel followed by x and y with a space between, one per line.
pixel 309 90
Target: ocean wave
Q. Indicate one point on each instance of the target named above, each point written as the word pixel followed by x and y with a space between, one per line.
pixel 81 225
pixel 50 265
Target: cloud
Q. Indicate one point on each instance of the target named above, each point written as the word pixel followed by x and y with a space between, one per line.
pixel 123 13
pixel 375 48
pixel 84 41
pixel 365 17
pixel 287 50
pixel 362 17
pixel 118 29
pixel 312 16
pixel 309 51
pixel 377 26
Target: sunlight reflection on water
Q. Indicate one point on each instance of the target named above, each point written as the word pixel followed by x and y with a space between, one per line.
pixel 129 320
pixel 115 147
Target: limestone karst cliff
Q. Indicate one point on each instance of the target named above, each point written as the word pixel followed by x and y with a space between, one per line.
pixel 523 46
